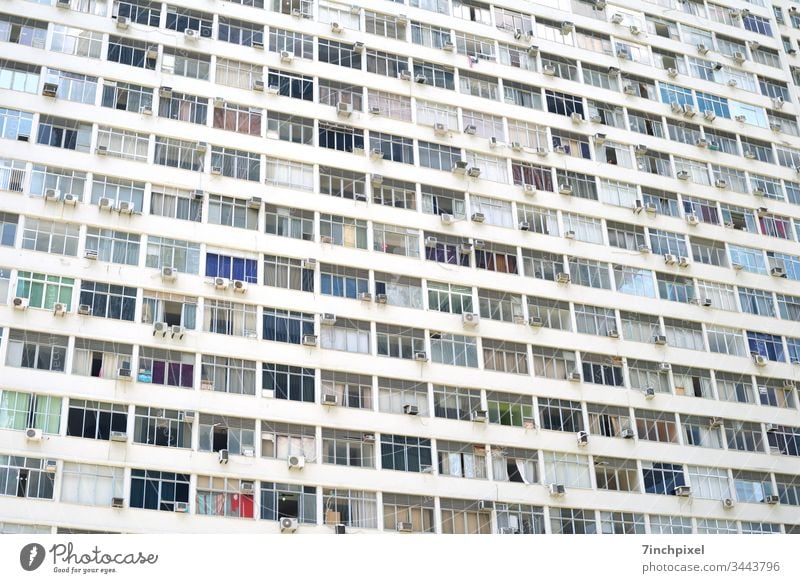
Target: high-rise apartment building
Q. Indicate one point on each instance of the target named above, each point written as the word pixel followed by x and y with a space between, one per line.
pixel 417 265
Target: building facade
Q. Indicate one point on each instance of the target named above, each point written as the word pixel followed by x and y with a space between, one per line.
pixel 417 265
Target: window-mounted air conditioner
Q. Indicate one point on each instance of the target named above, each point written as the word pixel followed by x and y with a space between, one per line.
pixel 479 416
pixel 309 340
pixel 410 409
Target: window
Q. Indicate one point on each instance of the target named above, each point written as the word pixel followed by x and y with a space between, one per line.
pixel 73 86
pixel 390 105
pixel 101 359
pixel 347 335
pixel 396 240
pixel 354 508
pixel 289 128
pixel 387 64
pixel 240 32
pixel 501 306
pixel 180 19
pixel 751 486
pixel 461 460
pixel 172 309
pixel 343 282
pixel 218 496
pixel 589 273
pixel 744 436
pixel 416 510
pixel 437 156
pixel 291 85
pixel 281 440
pixel 288 382
pixel 464 517
pixel 503 356
pixel 289 222
pixel 541 264
pixel 454 349
pixel 399 290
pixel 567 469
pixel 662 478
pixel 163 427
pixel 656 426
pixel 36 350
pixel 609 421
pixel 560 415
pixel 21 411
pixel 155 490
pixel 595 320
pixel 236 163
pixel 117 190
pixel 675 288
pixel 455 402
pixel 342 183
pixel 132 53
pixel 342 448
pixel 407 454
pixel 95 419
pixel 166 367
pixel 20 76
pixel 395 394
pixel 25 477
pixel 509 409
pixel 90 484
pixel 135 98
pixel 238 118
pixel 767 345
pixel 44 291
pixel 437 75
pixel 219 432
pixel 553 363
pixel 55 132
pixel 289 501
pixel 495 212
pixel 495 257
pixel 236 268
pixel 23 31
pixel 350 390
pixel 106 300
pixel 472 83
pixel 232 212
pixel 228 375
pixel 287 326
pixel 237 74
pixel 298 44
pixel 602 370
pixel 341 54
pixel 551 313
pixel 343 231
pixel 399 341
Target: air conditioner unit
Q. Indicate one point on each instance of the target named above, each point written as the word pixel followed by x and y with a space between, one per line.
pixel 329 399
pixel 533 50
pixel 565 189
pixel 191 34
pixel 627 89
pixel 670 259
pixel 146 110
pixel 478 217
pixel 720 183
pixel 404 527
pixel 421 356
pixel 775 127
pixel 739 57
pixel 431 241
pixel 177 332
pixel 309 339
pixel 20 303
pixel 182 507
pixel 439 129
pixel 644 249
pixel 649 393
pixel 688 110
pixel 617 18
pixel 124 374
pixel 122 22
pixel 296 462
pixel 576 117
pixel 567 27
pixel 410 409
pixel 760 360
pixel 473 172
pixel 405 75
pixel 701 143
pixel 535 321
pixel 772 499
pixel 640 149
pixel 309 263
pixel 376 179
pixel 50 89
pixel 524 226
pixel 557 489
pixel 118 502
pixel 549 70
pixel 460 167
pixel 516 146
pixel 727 503
pixel 627 433
pixel 365 297
pixel 216 170
pixel 485 505
pixel 223 456
pixel 90 254
pixel 160 328
pixel 470 319
pixel 52 195
pixel 692 219
pixel 709 115
pixel 119 436
pixel 583 438
pixel 732 82
pixel 664 366
pixel 702 49
pixel 288 525
pixel 336 27
pixel 446 218
pixel 737 266
pixel 101 150
pixel 623 53
pixel 683 491
pixel 258 85
pixel 33 434
pixel 529 189
pixel 376 154
pixel 777 272
pixel 659 339
pixel 682 175
pixel 421 79
pixel 740 118
pixel 672 72
pixel 286 57
pixel 344 109
pixel 125 207
pixel 562 277
pixel 59 309
pixel 706 302
pixel 381 298
pixel 612 333
pixel 84 309
pixel 479 416
pixel 569 234
pixel 683 261
pixel 168 273
pixel 70 199
pixel 470 130
pixel 479 244
pixel 448 46
pixel 574 376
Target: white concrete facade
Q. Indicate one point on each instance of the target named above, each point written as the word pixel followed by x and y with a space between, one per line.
pixel 761 304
